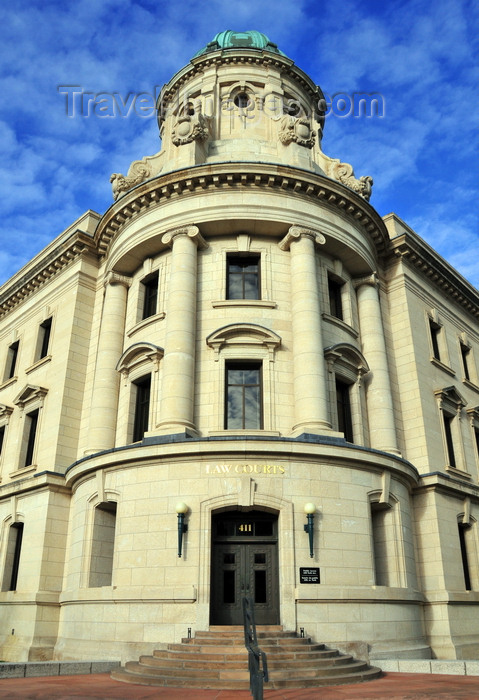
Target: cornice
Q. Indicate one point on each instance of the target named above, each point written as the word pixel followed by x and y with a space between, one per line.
pixel 239 56
pixel 238 175
pixel 444 483
pixel 76 245
pixel 436 270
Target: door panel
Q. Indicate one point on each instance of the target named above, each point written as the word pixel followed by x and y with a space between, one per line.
pixel 244 569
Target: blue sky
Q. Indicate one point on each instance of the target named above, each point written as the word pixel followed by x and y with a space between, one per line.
pixel 421 57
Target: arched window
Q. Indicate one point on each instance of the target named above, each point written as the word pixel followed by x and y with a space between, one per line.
pixel 346 367
pixel 139 366
pixel 245 354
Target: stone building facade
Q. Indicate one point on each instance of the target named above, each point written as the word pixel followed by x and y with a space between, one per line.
pixel 241 337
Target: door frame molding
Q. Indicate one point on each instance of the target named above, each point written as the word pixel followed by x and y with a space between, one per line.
pixel 286 553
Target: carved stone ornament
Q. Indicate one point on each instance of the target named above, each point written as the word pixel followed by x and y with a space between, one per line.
pixel 190 128
pixel 138 172
pixel 296 129
pixel 343 172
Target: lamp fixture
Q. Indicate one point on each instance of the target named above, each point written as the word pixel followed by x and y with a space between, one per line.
pixel 181 509
pixel 310 510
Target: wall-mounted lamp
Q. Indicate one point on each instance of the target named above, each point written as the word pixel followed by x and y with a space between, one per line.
pixel 310 510
pixel 181 509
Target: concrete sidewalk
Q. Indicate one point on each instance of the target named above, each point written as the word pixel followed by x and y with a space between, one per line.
pixel 392 686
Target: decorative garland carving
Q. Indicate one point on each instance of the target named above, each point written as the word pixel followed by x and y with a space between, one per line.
pixel 296 129
pixel 139 171
pixel 190 128
pixel 344 173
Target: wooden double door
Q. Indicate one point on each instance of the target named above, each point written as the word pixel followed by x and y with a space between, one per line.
pixel 244 563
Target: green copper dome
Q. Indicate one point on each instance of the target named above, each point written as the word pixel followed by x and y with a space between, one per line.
pixel 240 40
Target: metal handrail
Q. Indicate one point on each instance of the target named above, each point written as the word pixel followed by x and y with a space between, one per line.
pixel 257 664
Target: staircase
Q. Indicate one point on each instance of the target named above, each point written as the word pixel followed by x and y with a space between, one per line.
pixel 218 659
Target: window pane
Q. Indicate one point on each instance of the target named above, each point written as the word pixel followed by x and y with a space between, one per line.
pixel 142 408
pixel 243 396
pixel 229 586
pixel 252 407
pixel 260 586
pixel 251 286
pixel 242 277
pixel 235 407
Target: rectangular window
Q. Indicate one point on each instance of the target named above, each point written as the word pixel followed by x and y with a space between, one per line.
pixel 343 402
pixel 142 408
pixel 465 561
pixel 435 330
pixel 31 427
pixel 44 338
pixel 150 295
pixel 335 301
pixel 451 458
pixel 465 355
pixel 2 438
pixel 243 396
pixel 12 357
pixel 243 277
pixel 12 559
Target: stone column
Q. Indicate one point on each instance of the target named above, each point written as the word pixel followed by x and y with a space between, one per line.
pixel 104 405
pixel 382 428
pixel 310 389
pixel 178 382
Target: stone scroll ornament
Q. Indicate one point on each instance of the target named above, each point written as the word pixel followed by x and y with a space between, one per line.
pixel 138 172
pixel 190 128
pixel 297 130
pixel 343 172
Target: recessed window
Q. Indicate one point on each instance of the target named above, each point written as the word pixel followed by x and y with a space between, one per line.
pixel 12 357
pixel 243 396
pixel 142 407
pixel 435 330
pixel 383 531
pixel 464 555
pixel 242 100
pixel 12 559
pixel 448 421
pixel 466 358
pixel 150 295
pixel 2 438
pixel 343 403
pixel 31 434
pixel 44 338
pixel 103 544
pixel 335 301
pixel 243 277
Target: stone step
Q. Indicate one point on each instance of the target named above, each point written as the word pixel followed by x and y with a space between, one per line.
pixel 298 655
pixel 217 658
pixel 261 633
pixel 164 660
pixel 266 639
pixel 239 671
pixel 231 684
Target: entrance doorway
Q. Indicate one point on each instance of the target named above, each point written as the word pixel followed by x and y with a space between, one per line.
pixel 244 563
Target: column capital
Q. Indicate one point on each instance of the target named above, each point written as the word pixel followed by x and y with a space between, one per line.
pixel 372 280
pixel 296 232
pixel 192 232
pixel 113 277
